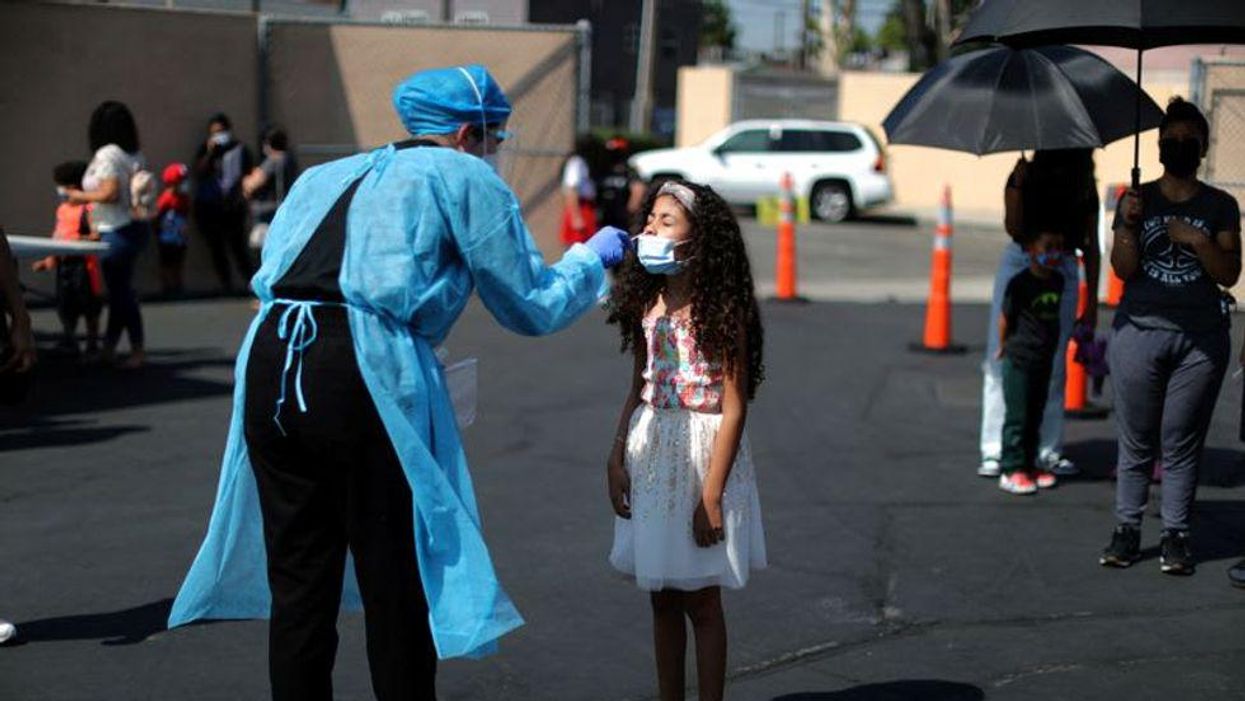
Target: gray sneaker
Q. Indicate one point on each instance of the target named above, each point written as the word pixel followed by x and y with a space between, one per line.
pixel 989 468
pixel 1060 465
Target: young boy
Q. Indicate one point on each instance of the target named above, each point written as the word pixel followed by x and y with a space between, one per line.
pixel 172 211
pixel 79 284
pixel 1028 338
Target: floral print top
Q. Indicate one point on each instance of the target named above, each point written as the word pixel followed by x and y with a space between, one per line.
pixel 676 375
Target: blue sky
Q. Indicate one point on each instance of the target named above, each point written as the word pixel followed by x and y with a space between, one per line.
pixel 755 19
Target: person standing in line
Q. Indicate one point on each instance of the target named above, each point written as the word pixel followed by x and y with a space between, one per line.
pixel 219 207
pixel 265 186
pixel 680 474
pixel 1028 340
pixel 579 194
pixel 1177 246
pixel 172 215
pixel 106 186
pixel 1054 191
pixel 620 192
pixel 79 283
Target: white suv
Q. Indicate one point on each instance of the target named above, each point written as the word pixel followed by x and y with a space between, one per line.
pixel 839 166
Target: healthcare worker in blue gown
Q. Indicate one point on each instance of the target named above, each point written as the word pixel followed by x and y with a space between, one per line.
pixel 343 438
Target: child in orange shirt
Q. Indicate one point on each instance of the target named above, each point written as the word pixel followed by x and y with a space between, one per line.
pixel 79 283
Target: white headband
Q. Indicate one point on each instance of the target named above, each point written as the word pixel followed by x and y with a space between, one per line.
pixel 680 192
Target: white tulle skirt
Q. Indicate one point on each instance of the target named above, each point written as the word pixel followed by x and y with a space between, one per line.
pixel 667 457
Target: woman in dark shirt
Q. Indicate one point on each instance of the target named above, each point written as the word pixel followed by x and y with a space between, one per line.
pixel 1177 244
pixel 1053 192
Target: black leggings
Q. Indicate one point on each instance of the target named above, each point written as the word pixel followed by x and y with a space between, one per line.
pixel 333 482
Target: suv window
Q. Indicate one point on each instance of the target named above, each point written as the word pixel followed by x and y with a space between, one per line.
pixel 751 141
pixel 818 141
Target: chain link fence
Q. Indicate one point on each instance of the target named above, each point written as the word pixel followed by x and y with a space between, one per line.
pixel 1219 88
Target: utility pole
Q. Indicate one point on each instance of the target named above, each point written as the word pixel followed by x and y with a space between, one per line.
pixel 780 43
pixel 642 103
pixel 805 12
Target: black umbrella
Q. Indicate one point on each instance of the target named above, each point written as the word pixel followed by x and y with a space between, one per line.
pixel 1135 24
pixel 1002 99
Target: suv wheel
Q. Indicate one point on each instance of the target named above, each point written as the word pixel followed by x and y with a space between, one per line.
pixel 831 202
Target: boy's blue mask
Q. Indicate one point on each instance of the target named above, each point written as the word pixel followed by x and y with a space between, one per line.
pixel 1049 259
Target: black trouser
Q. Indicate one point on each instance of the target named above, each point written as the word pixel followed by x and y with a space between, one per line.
pixel 224 230
pixel 332 482
pixel 1025 389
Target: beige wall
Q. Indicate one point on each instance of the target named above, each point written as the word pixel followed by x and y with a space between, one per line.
pixel 348 106
pixel 704 102
pixel 919 173
pixel 59 61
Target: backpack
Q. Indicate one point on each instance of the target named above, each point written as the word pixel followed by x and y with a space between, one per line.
pixel 143 193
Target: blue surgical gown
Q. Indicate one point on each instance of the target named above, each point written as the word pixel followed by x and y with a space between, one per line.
pixel 425 228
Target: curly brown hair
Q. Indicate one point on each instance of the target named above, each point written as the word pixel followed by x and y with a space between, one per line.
pixel 723 301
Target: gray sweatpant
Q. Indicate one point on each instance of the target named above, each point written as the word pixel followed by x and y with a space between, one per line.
pixel 1165 385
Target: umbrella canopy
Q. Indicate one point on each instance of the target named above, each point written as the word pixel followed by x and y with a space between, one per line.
pixel 1002 99
pixel 1137 24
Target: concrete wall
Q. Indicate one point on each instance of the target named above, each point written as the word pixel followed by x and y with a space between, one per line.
pixel 59 61
pixel 977 183
pixel 328 84
pixel 705 102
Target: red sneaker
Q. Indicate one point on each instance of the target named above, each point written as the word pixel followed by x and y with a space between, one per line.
pixel 1018 482
pixel 1045 479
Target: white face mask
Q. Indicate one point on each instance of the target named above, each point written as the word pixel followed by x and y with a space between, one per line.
pixel 221 138
pixel 656 254
pixel 62 193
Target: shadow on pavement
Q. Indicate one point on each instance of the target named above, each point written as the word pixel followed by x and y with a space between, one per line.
pixel 60 434
pixel 64 385
pixel 906 690
pixel 126 627
pixel 1221 467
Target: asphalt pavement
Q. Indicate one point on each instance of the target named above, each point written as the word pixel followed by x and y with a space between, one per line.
pixel 895 573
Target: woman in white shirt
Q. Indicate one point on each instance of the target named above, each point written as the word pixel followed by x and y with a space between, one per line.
pixel 579 192
pixel 106 187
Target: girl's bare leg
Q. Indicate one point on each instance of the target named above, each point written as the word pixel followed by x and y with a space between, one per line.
pixel 704 608
pixel 669 642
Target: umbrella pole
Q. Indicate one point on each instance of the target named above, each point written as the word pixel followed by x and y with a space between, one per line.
pixel 1137 129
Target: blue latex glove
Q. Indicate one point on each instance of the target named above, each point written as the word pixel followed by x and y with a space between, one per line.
pixel 610 243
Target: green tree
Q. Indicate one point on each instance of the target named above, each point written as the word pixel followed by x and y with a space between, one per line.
pixel 891 35
pixel 717 29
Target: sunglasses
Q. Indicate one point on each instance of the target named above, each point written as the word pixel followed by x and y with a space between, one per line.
pixel 498 135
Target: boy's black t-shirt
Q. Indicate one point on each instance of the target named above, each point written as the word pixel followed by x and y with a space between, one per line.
pixel 1031 306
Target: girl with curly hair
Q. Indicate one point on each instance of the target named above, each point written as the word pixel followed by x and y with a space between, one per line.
pixel 680 474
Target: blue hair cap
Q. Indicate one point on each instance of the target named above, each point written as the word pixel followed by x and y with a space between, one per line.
pixel 439 100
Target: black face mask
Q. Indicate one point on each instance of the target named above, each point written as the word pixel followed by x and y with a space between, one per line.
pixel 1181 157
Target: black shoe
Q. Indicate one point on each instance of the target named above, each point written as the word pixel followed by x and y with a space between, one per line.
pixel 1236 574
pixel 1177 553
pixel 1125 547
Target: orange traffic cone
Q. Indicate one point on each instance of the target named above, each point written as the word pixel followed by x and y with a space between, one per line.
pixel 1076 383
pixel 937 338
pixel 786 259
